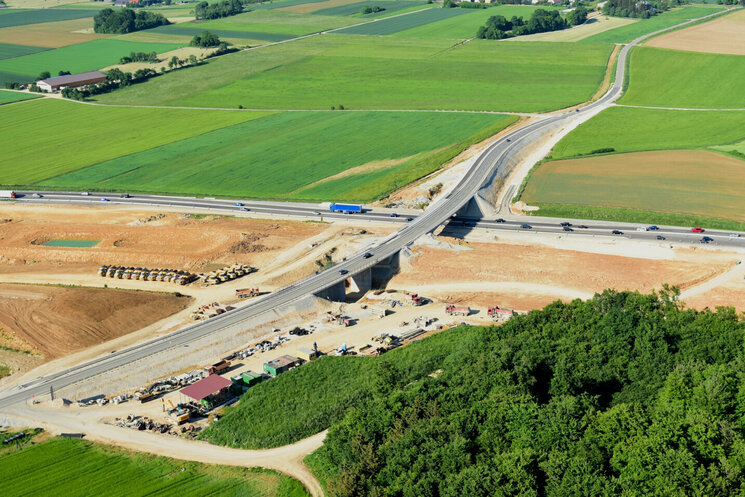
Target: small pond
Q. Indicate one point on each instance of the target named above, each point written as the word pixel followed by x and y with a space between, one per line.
pixel 71 243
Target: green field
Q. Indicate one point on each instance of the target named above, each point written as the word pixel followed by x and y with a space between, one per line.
pixel 362 72
pixel 48 137
pixel 252 159
pixel 316 395
pixel 22 17
pixel 709 81
pixel 465 26
pixel 400 23
pixel 10 96
pixel 625 34
pixel 629 130
pixel 82 57
pixel 9 50
pixel 78 468
pixel 350 9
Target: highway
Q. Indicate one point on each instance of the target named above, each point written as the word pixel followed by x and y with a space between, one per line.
pixel 495 156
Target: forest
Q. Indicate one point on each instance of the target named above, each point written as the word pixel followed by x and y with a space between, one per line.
pixel 623 394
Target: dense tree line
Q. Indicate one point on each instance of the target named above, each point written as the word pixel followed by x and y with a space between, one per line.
pixel 623 394
pixel 541 21
pixel 225 8
pixel 122 21
pixel 139 57
pixel 205 40
pixel 638 8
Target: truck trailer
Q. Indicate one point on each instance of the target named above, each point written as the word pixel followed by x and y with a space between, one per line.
pixel 345 208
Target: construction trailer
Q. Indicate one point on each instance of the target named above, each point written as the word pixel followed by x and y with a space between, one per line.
pixel 281 364
pixel 453 310
pixel 210 391
pixel 250 378
pixel 307 354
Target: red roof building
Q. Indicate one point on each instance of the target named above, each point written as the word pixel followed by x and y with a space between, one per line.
pixel 208 390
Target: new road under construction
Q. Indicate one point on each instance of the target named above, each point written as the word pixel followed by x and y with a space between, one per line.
pixel 466 197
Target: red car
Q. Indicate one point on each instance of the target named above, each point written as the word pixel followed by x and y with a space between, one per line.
pixel 697 230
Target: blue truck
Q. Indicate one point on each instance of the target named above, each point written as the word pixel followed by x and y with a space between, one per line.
pixel 345 208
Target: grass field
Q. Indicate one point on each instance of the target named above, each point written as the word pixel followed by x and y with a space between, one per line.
pixel 629 130
pixel 50 137
pixel 385 73
pixel 465 26
pixel 78 468
pixel 687 182
pixel 251 159
pixel 625 34
pixel 350 9
pixel 21 17
pixel 10 96
pixel 9 50
pixel 77 58
pixel 393 25
pixel 710 81
pixel 318 394
pixel 52 34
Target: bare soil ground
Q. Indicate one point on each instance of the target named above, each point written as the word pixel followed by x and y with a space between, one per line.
pixel 527 276
pixel 725 35
pixel 56 321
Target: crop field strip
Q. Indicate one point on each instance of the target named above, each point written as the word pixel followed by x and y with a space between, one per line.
pixel 465 26
pixel 83 57
pixel 9 50
pixel 49 137
pixel 249 159
pixel 78 468
pixel 709 81
pixel 393 73
pixel 625 34
pixel 181 30
pixel 18 18
pixel 51 34
pixel 391 25
pixel 390 6
pixel 11 96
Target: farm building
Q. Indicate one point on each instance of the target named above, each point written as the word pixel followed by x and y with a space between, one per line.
pixel 71 81
pixel 210 391
pixel 280 364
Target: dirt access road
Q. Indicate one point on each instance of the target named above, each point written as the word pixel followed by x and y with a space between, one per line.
pixel 287 459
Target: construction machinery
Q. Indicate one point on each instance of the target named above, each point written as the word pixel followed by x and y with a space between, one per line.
pixel 338 319
pixel 144 396
pixel 244 293
pixel 499 314
pixel 218 368
pixel 415 299
pixel 453 310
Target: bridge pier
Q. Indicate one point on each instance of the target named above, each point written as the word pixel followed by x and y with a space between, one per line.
pixel 335 293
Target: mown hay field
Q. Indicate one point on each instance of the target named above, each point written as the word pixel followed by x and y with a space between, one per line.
pixel 594 26
pixel 625 34
pixel 78 468
pixel 627 129
pixel 688 182
pixel 671 78
pixel 362 72
pixel 78 58
pixel 307 155
pixel 48 137
pixel 52 34
pixel 725 34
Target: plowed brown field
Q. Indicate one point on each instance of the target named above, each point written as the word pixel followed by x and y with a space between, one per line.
pixel 724 35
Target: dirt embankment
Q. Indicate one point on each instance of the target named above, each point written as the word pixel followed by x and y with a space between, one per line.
pixel 56 321
pixel 529 277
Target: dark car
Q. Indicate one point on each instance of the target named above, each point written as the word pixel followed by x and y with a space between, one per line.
pixel 582 227
pixel 526 227
pixel 653 228
pixel 409 218
pixel 124 195
pixel 394 215
pixel 500 220
pixel 660 237
pixel 567 228
pixel 343 271
pixel 617 232
pixel 565 224
pixel 238 204
pixel 707 239
pixel 367 255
